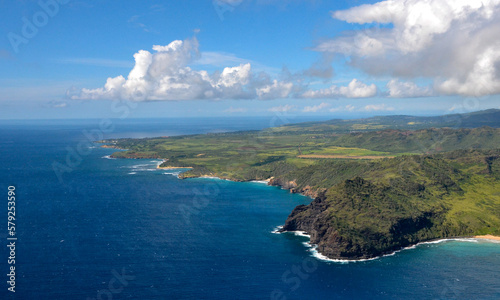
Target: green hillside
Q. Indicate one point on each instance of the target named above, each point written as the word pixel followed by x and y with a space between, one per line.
pixel 377 188
pixel 381 206
pixel 260 155
pixel 490 117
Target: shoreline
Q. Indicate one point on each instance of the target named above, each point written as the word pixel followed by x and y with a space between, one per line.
pixel 169 167
pixel 264 181
pixel 108 146
pixel 313 248
pixel 162 168
pixel 488 237
pixel 316 254
pixel 211 176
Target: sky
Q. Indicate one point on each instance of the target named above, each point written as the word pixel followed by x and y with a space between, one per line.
pixel 64 59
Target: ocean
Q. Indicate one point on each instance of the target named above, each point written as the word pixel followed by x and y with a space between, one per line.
pixel 91 227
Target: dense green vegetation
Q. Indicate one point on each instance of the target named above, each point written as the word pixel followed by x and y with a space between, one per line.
pixel 489 118
pixel 380 206
pixel 260 155
pixel 378 185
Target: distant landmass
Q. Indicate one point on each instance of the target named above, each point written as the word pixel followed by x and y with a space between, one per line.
pixel 488 117
pixel 379 184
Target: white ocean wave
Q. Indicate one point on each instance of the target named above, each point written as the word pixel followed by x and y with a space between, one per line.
pixel 176 174
pixel 140 166
pixel 301 233
pixel 260 181
pixel 316 254
pixel 277 229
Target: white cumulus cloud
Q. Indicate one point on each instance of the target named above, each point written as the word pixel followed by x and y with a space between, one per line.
pixel 321 107
pixel 453 42
pixel 165 74
pixel 347 107
pixel 282 108
pixel 355 89
pixel 378 107
pixel 405 89
pixel 278 89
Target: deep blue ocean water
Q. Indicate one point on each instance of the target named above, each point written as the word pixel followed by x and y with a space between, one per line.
pixel 120 229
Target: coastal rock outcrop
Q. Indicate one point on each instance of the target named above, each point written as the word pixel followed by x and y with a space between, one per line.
pixel 294 188
pixel 351 221
pixel 288 185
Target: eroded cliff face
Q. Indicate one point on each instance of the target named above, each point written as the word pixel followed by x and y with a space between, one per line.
pixel 315 220
pixel 293 187
pixel 350 223
pixel 288 185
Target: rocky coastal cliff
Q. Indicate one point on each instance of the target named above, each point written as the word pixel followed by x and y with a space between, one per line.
pixel 363 218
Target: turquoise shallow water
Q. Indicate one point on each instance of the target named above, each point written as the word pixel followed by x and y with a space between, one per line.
pixel 190 239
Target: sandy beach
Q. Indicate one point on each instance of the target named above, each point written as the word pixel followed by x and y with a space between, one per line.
pixel 158 167
pixel 169 167
pixel 266 181
pixel 488 237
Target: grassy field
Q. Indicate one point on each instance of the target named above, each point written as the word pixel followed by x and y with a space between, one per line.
pixel 259 154
pixel 375 190
pixel 338 156
pixel 372 208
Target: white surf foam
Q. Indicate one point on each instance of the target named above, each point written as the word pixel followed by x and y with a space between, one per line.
pixel 139 166
pixel 158 163
pixel 213 177
pixel 260 181
pixel 277 229
pixel 301 233
pixel 176 174
pixel 316 254
pixel 142 167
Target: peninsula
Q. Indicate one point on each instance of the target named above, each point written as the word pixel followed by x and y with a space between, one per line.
pixel 379 184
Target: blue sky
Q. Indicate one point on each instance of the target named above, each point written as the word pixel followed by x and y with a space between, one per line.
pixel 247 58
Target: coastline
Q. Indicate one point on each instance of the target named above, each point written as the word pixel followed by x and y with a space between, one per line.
pixel 316 254
pixel 211 176
pixel 265 181
pixel 488 237
pixel 313 247
pixel 168 167
pixel 107 146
